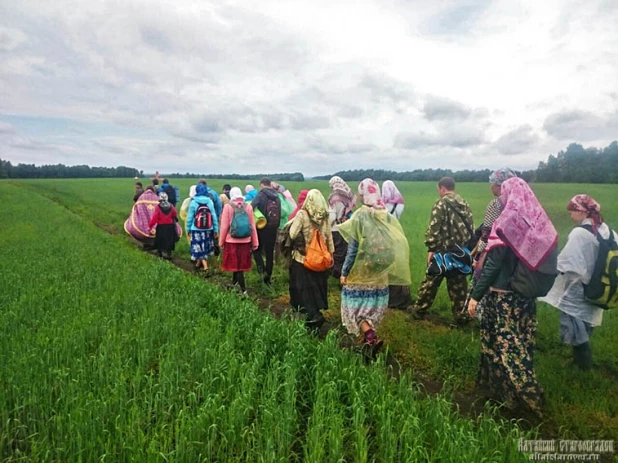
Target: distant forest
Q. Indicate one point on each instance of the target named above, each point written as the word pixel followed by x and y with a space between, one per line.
pixel 574 165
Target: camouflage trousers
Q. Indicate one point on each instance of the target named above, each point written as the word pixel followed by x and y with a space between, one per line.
pixel 457 291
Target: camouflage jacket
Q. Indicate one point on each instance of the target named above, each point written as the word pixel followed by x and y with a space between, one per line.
pixel 447 227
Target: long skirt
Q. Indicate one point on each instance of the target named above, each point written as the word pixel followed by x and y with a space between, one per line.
pixel 341 249
pixel 308 290
pixel 399 297
pixel 236 257
pixel 361 303
pixel 506 372
pixel 165 238
pixel 202 244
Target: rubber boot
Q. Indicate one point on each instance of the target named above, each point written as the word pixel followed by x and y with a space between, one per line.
pixel 582 355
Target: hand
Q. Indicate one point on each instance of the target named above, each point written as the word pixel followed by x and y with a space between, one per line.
pixel 153 231
pixel 216 235
pixel 430 257
pixel 343 280
pixel 472 306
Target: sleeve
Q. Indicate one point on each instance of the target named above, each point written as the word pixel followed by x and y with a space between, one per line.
pixel 190 216
pixel 578 254
pixel 225 223
pixel 432 235
pixel 154 219
pixel 218 206
pixel 258 202
pixel 215 219
pixel 255 242
pixel 491 271
pixel 174 214
pixel 297 224
pixel 350 257
pixel 327 233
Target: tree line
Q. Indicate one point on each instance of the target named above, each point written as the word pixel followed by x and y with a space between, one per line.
pixel 8 170
pixel 284 177
pixel 576 164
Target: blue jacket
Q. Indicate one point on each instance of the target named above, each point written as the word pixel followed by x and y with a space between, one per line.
pixel 195 202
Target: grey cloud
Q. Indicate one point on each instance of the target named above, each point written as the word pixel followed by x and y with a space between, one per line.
pixel 323 146
pixel 581 125
pixel 517 141
pixel 453 138
pixel 439 108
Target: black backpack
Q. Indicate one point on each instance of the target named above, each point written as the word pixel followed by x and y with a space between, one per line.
pixel 171 193
pixel 273 212
pixel 602 289
pixel 535 283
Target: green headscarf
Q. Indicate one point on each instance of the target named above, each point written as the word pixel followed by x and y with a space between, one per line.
pixel 315 205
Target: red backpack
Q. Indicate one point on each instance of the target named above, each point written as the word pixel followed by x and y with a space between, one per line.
pixel 203 218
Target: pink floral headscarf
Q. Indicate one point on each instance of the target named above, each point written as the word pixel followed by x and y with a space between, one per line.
pixel 369 192
pixel 341 192
pixel 584 203
pixel 390 193
pixel 523 225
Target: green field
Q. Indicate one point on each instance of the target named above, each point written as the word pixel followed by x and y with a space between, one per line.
pixel 109 353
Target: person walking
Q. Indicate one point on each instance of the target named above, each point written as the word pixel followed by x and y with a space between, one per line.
pixel 341 202
pixel 139 189
pixel 378 255
pixel 237 238
pixel 164 219
pixel 576 263
pixel 393 200
pixel 267 201
pixel 492 212
pixel 203 226
pixel 308 288
pixel 451 224
pixel 522 235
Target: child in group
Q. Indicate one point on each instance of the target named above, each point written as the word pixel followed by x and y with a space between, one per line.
pixel 164 219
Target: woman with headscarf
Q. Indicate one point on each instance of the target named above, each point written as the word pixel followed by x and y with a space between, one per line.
pixel 341 202
pixel 393 201
pixel 522 235
pixel 492 212
pixel 184 207
pixel 576 263
pixel 302 196
pixel 238 238
pixel 308 288
pixel 378 255
pixel 164 218
pixel 398 296
pixel 250 193
pixel 204 230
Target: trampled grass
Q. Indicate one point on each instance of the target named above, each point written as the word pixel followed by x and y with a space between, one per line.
pixel 110 354
pixel 581 405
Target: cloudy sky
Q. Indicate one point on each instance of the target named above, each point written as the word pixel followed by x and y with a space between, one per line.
pixel 315 86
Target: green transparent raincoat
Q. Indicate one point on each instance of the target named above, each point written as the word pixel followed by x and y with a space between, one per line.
pixel 383 256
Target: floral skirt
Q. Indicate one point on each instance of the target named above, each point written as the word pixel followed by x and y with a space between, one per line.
pixel 361 303
pixel 508 328
pixel 202 244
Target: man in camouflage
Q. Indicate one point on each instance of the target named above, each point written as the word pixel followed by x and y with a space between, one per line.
pixel 451 223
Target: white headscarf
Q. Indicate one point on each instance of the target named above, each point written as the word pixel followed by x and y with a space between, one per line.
pixel 192 191
pixel 235 194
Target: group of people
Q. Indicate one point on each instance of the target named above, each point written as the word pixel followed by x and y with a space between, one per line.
pixel 370 257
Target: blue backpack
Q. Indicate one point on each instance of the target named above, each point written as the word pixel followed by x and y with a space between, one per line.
pixel 241 226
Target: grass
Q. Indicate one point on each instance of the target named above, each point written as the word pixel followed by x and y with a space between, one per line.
pixel 581 405
pixel 110 354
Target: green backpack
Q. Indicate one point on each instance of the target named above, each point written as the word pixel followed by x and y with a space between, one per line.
pixel 602 290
